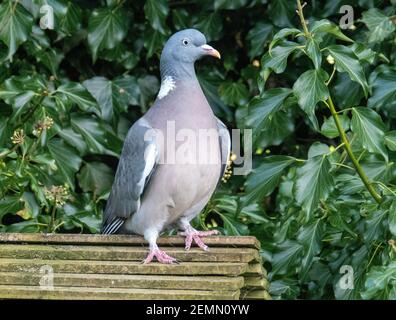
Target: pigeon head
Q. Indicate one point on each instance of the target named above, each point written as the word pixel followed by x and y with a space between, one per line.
pixel 181 51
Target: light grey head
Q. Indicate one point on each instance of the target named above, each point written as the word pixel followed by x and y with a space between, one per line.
pixel 181 51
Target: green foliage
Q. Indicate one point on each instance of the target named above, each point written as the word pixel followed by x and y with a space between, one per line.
pixel 322 190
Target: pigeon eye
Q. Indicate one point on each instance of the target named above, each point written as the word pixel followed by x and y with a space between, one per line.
pixel 185 42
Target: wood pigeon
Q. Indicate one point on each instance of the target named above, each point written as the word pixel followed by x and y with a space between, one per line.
pixel 169 165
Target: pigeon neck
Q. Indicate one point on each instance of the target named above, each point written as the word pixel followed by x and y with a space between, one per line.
pixel 182 72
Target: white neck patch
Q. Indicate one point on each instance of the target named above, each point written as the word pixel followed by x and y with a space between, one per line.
pixel 167 85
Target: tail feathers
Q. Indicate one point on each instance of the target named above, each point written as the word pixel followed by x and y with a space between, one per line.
pixel 113 226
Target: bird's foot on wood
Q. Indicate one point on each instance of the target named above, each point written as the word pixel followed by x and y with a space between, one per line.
pixel 196 236
pixel 161 257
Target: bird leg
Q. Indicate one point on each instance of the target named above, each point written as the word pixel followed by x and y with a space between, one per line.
pixel 161 256
pixel 191 234
pixel 151 236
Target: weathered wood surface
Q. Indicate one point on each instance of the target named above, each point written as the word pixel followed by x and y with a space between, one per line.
pixel 126 281
pixel 82 239
pixel 124 253
pixel 82 293
pixel 109 267
pixel 124 267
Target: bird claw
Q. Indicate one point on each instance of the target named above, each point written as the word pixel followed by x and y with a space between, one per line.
pixel 161 257
pixel 196 236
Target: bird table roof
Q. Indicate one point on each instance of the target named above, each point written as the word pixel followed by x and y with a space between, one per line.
pixel 109 267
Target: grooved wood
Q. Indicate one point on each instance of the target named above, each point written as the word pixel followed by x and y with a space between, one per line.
pixel 216 283
pixel 109 267
pixel 121 253
pixel 82 293
pixel 255 295
pixel 173 241
pixel 124 267
pixel 256 282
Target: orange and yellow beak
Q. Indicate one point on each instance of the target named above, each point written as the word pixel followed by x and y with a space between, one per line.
pixel 210 51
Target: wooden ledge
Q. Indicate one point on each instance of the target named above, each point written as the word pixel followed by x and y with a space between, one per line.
pixel 89 239
pixel 85 266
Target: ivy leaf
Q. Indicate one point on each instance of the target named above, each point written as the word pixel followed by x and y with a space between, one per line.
pixel 153 41
pixel 107 27
pixel 369 128
pixel 67 14
pixel 72 138
pixel 16 25
pixel 226 207
pixel 282 34
pixel 275 129
pixel 325 26
pixel 15 92
pixel 210 88
pixel 276 59
pixel 363 52
pixel 263 107
pixel 262 181
pixel 374 226
pixel 347 61
pixel 156 12
pixel 211 25
pixel 95 177
pixel 113 95
pixel 314 183
pixel 288 255
pixel 93 132
pixel 68 162
pixel 234 93
pixel 392 218
pixel 280 12
pixel 31 206
pixel 347 93
pixel 310 236
pixel 180 19
pixel 229 4
pixel 76 93
pixel 314 53
pixel 380 26
pixel 329 128
pixel 383 84
pixel 9 204
pixel 379 281
pixel 310 88
pixel 390 140
pixel 257 38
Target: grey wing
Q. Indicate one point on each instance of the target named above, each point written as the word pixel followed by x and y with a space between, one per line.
pixel 225 145
pixel 136 166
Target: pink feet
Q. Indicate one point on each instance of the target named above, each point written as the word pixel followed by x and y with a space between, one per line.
pixel 196 236
pixel 161 256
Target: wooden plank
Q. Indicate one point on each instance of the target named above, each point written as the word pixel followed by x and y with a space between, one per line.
pixel 256 283
pixel 254 269
pixel 124 267
pixel 82 293
pixel 174 241
pixel 122 253
pixel 255 295
pixel 209 283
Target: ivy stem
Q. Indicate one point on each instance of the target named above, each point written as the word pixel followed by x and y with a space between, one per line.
pixel 337 121
pixel 52 222
pixel 302 19
pixel 348 149
pixel 331 77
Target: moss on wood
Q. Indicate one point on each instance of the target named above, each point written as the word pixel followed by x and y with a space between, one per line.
pixel 109 267
pixel 173 241
pixel 121 253
pixel 83 293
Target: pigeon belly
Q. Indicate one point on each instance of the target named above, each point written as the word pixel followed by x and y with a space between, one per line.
pixel 187 175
